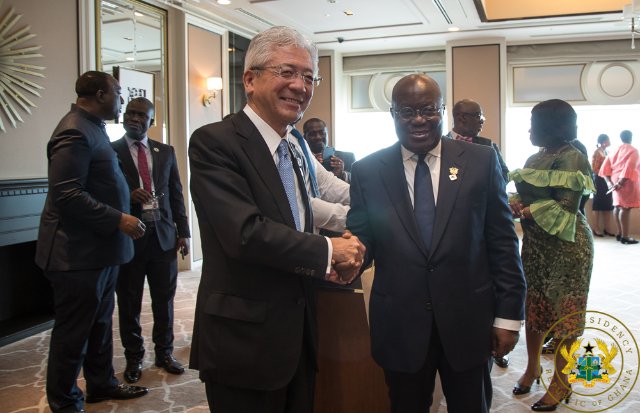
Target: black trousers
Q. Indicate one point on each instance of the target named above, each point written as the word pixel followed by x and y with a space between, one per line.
pixel 467 391
pixel 81 335
pixel 296 397
pixel 161 270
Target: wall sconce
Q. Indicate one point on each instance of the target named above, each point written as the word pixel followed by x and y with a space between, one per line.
pixel 214 84
pixel 632 11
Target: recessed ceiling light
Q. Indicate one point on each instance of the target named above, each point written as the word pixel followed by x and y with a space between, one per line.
pixel 137 14
pixel 327 15
pixel 224 2
pixel 454 29
pixel 130 59
pixel 348 12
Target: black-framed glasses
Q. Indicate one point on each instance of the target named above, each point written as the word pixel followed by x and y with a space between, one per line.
pixel 476 115
pixel 289 73
pixel 408 113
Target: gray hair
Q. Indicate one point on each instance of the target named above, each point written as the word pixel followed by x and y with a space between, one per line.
pixel 263 44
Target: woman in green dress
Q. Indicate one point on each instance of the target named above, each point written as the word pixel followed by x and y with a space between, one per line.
pixel 557 245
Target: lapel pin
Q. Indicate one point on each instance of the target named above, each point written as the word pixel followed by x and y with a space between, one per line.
pixel 156 150
pixel 453 173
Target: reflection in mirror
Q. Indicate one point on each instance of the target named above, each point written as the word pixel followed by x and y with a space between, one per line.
pixel 237 50
pixel 132 35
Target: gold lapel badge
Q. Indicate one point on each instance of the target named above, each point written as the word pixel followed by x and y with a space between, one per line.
pixel 156 150
pixel 453 173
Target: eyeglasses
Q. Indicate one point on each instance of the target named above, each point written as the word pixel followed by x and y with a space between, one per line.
pixel 477 115
pixel 289 73
pixel 408 113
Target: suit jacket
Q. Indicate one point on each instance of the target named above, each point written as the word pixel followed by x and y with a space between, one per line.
pixel 471 275
pixel 255 296
pixel 87 192
pixel 488 142
pixel 166 180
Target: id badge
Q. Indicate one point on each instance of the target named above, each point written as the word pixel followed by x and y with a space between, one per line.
pixel 151 209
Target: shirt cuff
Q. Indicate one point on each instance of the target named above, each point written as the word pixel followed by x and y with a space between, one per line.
pixel 513 325
pixel 330 251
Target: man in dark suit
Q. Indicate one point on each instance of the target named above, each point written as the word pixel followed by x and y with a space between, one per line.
pixel 316 134
pixel 468 120
pixel 449 288
pixel 254 338
pixel 85 233
pixel 151 170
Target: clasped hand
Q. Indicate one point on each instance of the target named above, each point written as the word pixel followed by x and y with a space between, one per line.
pixel 347 258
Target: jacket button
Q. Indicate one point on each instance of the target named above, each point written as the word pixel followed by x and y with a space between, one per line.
pixel 431 269
pixel 429 306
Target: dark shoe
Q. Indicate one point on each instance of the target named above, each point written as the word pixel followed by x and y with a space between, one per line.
pixel 519 389
pixel 618 237
pixel 629 240
pixel 170 364
pixel 120 392
pixel 549 347
pixel 609 234
pixel 539 406
pixel 133 371
pixel 71 409
pixel 502 361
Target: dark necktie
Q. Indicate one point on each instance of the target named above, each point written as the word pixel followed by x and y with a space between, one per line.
pixel 143 167
pixel 423 201
pixel 285 169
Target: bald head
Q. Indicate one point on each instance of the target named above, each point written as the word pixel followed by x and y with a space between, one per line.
pixel 416 107
pixel 468 118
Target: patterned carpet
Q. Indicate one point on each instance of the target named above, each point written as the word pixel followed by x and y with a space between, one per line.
pixel 615 289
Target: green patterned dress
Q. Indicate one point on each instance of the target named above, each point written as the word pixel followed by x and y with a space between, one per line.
pixel 557 246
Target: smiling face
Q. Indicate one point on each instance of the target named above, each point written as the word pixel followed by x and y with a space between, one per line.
pixel 279 101
pixel 419 134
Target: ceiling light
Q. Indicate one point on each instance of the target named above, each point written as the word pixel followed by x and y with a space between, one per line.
pixel 224 2
pixel 348 12
pixel 632 11
pixel 137 14
pixel 454 29
pixel 130 59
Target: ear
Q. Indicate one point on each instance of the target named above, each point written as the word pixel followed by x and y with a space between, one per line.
pixel 248 79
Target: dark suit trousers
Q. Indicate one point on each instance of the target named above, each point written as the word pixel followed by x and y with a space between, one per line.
pixel 161 270
pixel 296 397
pixel 82 334
pixel 466 391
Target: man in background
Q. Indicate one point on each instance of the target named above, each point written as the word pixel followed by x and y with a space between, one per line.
pixel 468 120
pixel 316 134
pixel 151 170
pixel 85 234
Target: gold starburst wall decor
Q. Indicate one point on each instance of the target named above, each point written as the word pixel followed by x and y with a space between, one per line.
pixel 15 71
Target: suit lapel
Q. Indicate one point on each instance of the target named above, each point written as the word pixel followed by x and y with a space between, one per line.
pixel 262 160
pixel 155 161
pixel 451 157
pixel 128 167
pixel 394 179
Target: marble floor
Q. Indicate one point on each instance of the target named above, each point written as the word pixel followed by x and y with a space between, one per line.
pixel 615 289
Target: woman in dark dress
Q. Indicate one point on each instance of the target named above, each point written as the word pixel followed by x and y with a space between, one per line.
pixel 557 245
pixel 602 201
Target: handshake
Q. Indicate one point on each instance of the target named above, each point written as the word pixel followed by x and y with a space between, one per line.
pixel 347 258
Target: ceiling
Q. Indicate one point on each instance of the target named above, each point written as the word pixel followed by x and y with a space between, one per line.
pixel 384 25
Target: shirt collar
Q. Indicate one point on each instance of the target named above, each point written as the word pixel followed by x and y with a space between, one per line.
pixel 131 142
pixel 270 136
pixel 407 154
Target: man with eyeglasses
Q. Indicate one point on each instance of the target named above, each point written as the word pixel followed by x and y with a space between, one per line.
pixel 468 120
pixel 449 289
pixel 254 338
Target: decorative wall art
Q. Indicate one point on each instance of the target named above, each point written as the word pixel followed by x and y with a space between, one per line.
pixel 17 86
